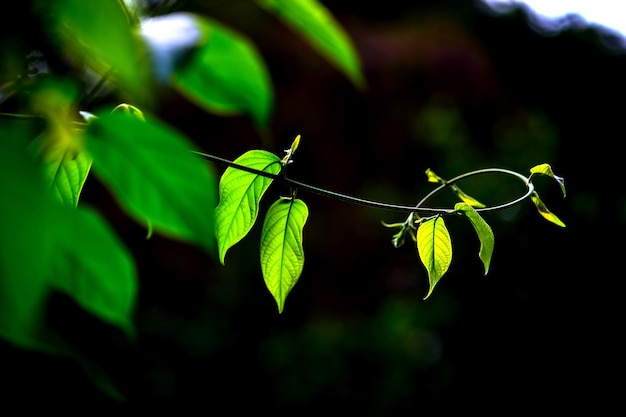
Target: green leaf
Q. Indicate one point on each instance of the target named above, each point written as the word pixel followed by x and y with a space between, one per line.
pixel 102 33
pixel 483 230
pixel 545 169
pixel 543 210
pixel 240 193
pixel 226 75
pixel 155 176
pixel 435 249
pixel 95 268
pixel 311 20
pixel 26 249
pixel 37 235
pixel 66 171
pixel 282 256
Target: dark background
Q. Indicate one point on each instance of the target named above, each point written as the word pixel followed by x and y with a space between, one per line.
pixel 451 87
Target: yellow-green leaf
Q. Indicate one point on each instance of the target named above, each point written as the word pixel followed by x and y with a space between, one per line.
pixel 543 210
pixel 466 197
pixel 432 177
pixel 240 193
pixel 435 249
pixel 282 256
pixel 545 169
pixel 483 230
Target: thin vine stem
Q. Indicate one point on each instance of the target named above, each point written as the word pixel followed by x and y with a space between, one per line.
pixel 382 205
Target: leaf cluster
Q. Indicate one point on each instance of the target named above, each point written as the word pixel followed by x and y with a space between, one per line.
pixel 59 127
pixel 75 101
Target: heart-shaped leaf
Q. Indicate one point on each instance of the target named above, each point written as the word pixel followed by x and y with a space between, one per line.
pixel 240 193
pixel 282 256
pixel 435 249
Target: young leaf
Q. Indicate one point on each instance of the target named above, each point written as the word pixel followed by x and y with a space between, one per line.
pixel 545 169
pixel 435 249
pixel 66 171
pixel 311 20
pixel 543 210
pixel 156 178
pixel 226 75
pixel 432 177
pixel 282 257
pixel 60 146
pixel 483 230
pixel 239 194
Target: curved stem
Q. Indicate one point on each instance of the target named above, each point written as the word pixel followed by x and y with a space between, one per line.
pixel 529 187
pixel 381 205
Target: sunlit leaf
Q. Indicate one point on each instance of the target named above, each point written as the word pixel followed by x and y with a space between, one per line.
pixel 226 75
pixel 545 169
pixel 543 210
pixel 95 269
pixel 60 146
pixel 311 20
pixel 282 256
pixel 483 230
pixel 66 171
pixel 435 249
pixel 240 193
pixel 432 177
pixel 129 110
pixel 156 178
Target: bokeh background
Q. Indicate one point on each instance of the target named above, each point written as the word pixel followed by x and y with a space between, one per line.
pixel 454 87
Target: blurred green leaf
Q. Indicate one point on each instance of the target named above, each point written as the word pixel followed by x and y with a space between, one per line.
pixel 45 246
pixel 311 20
pixel 226 75
pixel 95 268
pixel 543 210
pixel 155 176
pixel 26 243
pixel 435 249
pixel 282 256
pixel 102 33
pixel 240 193
pixel 483 230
